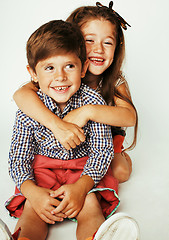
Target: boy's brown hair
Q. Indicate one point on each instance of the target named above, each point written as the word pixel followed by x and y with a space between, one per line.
pixel 53 38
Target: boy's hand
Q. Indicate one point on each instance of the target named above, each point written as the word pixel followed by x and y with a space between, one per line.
pixel 73 196
pixel 68 134
pixel 43 204
pixel 73 200
pixel 79 116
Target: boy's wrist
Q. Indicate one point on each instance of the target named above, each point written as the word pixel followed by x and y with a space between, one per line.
pixel 27 188
pixel 86 183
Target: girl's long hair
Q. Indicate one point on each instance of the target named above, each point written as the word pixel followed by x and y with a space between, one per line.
pixel 82 15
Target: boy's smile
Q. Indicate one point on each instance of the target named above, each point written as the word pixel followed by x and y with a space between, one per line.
pixel 59 76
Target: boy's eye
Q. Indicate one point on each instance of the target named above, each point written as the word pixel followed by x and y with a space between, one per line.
pixel 70 66
pixel 49 68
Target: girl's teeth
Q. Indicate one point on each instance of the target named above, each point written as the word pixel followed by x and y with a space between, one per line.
pixel 96 59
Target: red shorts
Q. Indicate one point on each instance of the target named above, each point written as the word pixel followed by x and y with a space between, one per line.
pixel 53 173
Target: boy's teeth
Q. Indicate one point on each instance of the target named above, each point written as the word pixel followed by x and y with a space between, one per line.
pixel 60 88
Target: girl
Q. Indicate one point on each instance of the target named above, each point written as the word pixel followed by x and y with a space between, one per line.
pixel 102 29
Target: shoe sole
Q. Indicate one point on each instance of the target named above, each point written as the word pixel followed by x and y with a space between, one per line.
pixel 118 227
pixel 4 231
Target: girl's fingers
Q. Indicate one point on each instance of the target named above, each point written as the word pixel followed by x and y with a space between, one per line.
pixel 72 143
pixel 66 145
pixel 81 135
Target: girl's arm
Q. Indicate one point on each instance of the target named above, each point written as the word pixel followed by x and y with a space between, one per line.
pixel 68 134
pixel 121 115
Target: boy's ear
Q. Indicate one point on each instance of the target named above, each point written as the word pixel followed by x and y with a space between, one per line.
pixel 85 67
pixel 32 73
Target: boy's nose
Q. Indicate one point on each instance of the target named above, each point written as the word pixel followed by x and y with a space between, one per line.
pixel 60 76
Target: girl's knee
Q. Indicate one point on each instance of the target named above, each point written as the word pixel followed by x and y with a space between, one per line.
pixel 122 167
pixel 121 173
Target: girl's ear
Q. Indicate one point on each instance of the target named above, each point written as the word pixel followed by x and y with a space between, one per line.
pixel 32 73
pixel 85 67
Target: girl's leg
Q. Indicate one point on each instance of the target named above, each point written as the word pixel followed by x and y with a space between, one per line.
pixel 121 166
pixel 32 226
pixel 90 217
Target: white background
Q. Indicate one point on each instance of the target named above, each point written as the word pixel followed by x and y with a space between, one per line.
pixel 146 195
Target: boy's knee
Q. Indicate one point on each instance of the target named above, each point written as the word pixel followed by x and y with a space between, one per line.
pixel 91 207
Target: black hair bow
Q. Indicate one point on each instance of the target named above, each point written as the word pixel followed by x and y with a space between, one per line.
pixel 122 22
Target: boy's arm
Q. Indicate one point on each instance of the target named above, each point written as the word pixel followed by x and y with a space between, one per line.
pixel 68 134
pixel 100 151
pixel 21 156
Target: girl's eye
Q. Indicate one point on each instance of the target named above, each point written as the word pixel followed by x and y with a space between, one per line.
pixel 89 41
pixel 108 43
pixel 49 68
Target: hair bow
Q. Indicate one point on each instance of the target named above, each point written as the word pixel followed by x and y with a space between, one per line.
pixel 122 22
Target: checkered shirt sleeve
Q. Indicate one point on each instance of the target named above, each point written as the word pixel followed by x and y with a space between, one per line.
pixel 21 150
pixel 100 151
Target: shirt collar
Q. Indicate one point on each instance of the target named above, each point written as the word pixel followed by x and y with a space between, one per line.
pixel 72 103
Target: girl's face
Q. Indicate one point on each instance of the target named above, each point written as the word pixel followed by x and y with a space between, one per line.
pixel 100 37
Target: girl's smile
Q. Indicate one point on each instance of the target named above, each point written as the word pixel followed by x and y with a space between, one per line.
pixel 100 40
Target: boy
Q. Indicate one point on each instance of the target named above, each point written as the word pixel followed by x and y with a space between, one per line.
pixel 54 183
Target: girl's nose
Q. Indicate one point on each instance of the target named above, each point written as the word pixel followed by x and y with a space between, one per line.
pixel 98 48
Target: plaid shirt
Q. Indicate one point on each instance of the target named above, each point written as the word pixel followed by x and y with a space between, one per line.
pixel 30 138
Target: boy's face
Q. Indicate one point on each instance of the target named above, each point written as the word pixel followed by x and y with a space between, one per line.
pixel 59 76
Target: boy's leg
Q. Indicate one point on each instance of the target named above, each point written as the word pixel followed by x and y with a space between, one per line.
pixel 32 226
pixel 89 218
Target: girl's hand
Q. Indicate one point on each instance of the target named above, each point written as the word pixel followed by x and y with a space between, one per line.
pixel 43 204
pixel 73 200
pixel 79 116
pixel 68 134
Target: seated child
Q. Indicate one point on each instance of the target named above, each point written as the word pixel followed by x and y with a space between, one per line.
pixel 53 183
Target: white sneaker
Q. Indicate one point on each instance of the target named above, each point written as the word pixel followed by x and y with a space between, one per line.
pixel 4 232
pixel 119 226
